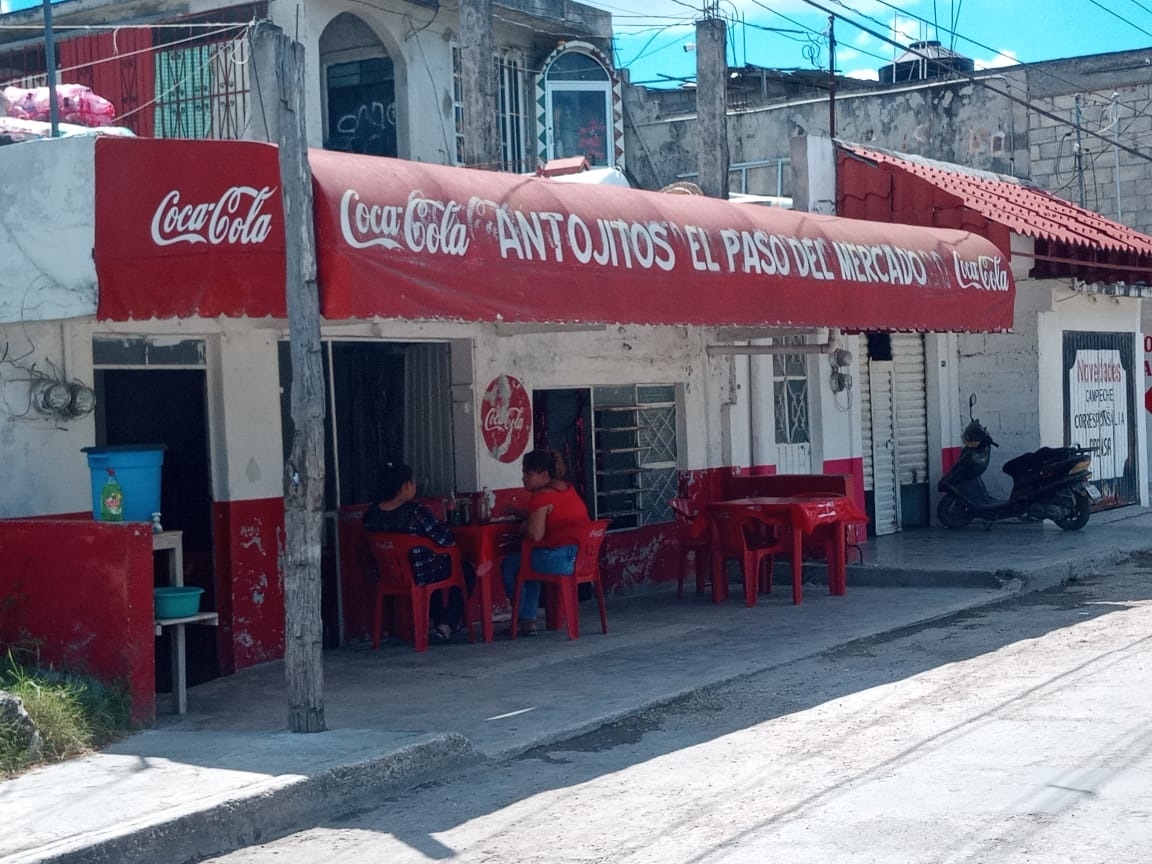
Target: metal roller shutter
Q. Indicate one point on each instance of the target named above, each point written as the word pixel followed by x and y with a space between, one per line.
pixel 910 408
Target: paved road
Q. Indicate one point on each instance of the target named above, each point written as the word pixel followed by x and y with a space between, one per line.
pixel 1019 733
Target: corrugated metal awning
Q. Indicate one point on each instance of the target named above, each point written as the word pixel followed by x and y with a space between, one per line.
pixel 1018 206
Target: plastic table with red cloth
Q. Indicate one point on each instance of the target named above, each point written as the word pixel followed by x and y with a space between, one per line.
pixel 819 516
pixel 482 546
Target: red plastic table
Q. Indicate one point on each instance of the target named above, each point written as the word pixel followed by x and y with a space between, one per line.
pixel 482 546
pixel 816 515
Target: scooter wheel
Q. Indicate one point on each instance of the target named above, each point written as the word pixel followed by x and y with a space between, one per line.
pixel 951 513
pixel 1078 518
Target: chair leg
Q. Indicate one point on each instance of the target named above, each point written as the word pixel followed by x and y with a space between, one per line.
pixel 485 592
pixel 751 577
pixel 719 578
pixel 684 552
pixel 553 605
pixel 420 619
pixel 570 601
pixel 467 612
pixel 603 607
pixel 516 606
pixel 797 565
pixel 703 565
pixel 378 622
pixel 766 576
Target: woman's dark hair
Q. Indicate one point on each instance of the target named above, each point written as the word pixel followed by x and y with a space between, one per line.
pixel 393 476
pixel 548 461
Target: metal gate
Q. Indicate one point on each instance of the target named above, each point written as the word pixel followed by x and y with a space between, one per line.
pixel 911 424
pixel 1100 410
pixel 879 440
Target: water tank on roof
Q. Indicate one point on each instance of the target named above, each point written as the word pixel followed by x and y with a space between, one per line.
pixel 924 60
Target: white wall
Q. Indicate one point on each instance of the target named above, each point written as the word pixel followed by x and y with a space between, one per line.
pixel 44 468
pixel 1145 346
pixel 1017 376
pixel 47 230
pixel 49 474
pixel 1087 312
pixel 615 355
pixel 244 412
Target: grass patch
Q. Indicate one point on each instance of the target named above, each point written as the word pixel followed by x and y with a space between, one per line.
pixel 74 714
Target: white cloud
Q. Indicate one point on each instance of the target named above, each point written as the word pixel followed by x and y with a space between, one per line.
pixel 1004 58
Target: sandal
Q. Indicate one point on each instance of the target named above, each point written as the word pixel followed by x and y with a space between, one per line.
pixel 438 636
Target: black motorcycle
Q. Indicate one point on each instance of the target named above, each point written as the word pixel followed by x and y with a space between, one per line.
pixel 1049 483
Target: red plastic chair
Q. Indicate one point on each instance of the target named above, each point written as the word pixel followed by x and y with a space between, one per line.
pixel 587 539
pixel 394 566
pixel 695 535
pixel 751 538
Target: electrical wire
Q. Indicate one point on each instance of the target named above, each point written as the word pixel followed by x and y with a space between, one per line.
pixel 1117 15
pixel 979 81
pixel 119 56
pixel 1074 86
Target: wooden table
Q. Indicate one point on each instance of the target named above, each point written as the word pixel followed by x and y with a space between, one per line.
pixel 483 546
pixel 813 515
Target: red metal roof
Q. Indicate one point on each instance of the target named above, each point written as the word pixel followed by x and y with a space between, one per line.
pixel 1009 202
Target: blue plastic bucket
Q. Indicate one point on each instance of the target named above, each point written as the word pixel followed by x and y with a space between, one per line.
pixel 137 468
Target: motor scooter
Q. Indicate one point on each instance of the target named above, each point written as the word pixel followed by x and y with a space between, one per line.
pixel 1049 483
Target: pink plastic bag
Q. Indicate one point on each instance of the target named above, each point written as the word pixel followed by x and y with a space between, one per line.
pixel 76 104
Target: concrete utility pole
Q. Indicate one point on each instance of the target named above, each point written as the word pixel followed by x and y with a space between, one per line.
pixel 712 104
pixel 478 58
pixel 304 470
pixel 1114 114
pixel 1079 153
pixel 831 76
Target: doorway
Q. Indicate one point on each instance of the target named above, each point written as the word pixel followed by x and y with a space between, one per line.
pixel 387 402
pixel 170 407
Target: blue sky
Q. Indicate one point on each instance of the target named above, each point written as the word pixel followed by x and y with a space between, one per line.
pixel 651 35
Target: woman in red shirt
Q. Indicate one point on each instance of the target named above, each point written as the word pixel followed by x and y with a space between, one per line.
pixel 554 505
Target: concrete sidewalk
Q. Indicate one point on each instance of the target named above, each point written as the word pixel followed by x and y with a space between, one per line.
pixel 226 775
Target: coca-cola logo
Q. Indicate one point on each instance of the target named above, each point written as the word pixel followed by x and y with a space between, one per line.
pixel 503 422
pixel 235 218
pixel 505 418
pixel 422 224
pixel 986 273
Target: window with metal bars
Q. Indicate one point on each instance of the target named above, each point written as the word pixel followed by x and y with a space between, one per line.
pixel 513 120
pixel 790 384
pixel 458 103
pixel 635 449
pixel 202 89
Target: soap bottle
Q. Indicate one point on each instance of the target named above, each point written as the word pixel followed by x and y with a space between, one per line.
pixel 111 499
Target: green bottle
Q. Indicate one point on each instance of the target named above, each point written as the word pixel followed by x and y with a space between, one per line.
pixel 111 500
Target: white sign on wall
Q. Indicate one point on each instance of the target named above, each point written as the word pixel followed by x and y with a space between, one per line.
pixel 1098 403
pixel 1148 392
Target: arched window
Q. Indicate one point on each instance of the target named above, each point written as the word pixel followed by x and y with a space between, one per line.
pixel 578 116
pixel 359 89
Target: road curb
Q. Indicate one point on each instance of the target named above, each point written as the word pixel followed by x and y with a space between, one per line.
pixel 258 815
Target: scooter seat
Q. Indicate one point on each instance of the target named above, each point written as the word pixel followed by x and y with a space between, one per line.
pixel 1028 463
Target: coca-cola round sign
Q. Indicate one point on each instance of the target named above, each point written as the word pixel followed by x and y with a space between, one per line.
pixel 506 418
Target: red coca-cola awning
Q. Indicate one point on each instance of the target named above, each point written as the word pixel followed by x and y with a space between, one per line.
pixel 202 233
pixel 410 240
pixel 188 228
